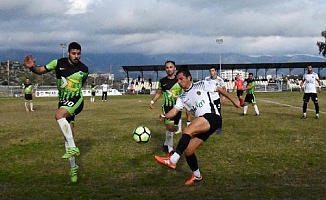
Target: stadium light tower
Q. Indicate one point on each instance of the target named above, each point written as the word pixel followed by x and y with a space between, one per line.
pixel 63 46
pixel 220 41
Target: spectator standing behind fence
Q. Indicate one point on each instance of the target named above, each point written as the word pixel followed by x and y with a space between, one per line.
pixel 28 94
pixel 150 82
pixel 251 95
pixel 308 84
pixel 105 88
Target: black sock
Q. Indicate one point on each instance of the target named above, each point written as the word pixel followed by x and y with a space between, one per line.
pixel 304 108
pixel 192 162
pixel 183 143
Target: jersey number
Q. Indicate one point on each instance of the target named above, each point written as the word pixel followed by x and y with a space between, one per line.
pixel 69 103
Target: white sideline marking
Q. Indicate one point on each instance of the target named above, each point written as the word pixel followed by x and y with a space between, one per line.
pixel 287 105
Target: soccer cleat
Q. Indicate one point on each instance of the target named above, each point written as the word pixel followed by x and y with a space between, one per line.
pixel 73 174
pixel 72 151
pixel 257 114
pixel 165 161
pixel 179 131
pixel 27 110
pixel 170 154
pixel 32 110
pixel 317 117
pixel 193 179
pixel 304 117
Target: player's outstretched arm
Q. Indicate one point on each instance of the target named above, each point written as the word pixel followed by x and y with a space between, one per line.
pixel 29 62
pixel 228 96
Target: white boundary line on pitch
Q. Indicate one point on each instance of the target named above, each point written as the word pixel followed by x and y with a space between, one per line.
pixel 287 105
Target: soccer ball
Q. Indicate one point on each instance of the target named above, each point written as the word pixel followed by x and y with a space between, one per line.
pixel 141 134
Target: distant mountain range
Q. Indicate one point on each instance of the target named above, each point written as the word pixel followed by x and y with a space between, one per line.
pixel 113 62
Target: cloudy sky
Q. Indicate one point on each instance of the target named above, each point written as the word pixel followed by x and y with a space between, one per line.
pixel 251 27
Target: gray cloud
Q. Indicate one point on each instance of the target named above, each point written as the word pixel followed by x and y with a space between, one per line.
pixel 169 26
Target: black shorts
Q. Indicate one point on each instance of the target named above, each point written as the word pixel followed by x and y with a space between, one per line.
pixel 175 119
pixel 239 93
pixel 215 121
pixel 73 105
pixel 308 96
pixel 28 97
pixel 250 98
pixel 93 93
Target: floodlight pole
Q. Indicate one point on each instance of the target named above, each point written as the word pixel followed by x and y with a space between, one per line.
pixel 63 46
pixel 8 74
pixel 220 41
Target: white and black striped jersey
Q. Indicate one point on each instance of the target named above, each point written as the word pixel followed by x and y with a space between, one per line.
pixel 199 99
pixel 311 81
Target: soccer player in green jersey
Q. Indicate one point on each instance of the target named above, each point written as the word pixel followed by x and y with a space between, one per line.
pixel 71 74
pixel 93 91
pixel 250 96
pixel 28 94
pixel 170 89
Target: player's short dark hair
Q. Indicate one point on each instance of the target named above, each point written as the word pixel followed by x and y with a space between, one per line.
pixel 170 61
pixel 252 74
pixel 212 67
pixel 184 71
pixel 74 45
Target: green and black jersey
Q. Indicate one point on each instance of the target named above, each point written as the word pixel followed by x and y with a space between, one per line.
pixel 170 90
pixel 70 78
pixel 28 88
pixel 93 88
pixel 253 84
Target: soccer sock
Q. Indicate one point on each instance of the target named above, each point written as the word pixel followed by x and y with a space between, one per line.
pixel 245 109
pixel 26 105
pixel 196 173
pixel 67 132
pixel 72 160
pixel 180 125
pixel 304 114
pixel 256 109
pixel 31 105
pixel 169 140
pixel 304 107
pixel 241 101
pixel 192 162
pixel 183 143
pixel 175 157
pixel 188 122
pixel 317 108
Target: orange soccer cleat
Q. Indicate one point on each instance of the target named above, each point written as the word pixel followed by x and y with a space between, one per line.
pixel 165 161
pixel 193 179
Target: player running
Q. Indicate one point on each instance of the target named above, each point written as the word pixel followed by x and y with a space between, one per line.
pixel 239 85
pixel 170 89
